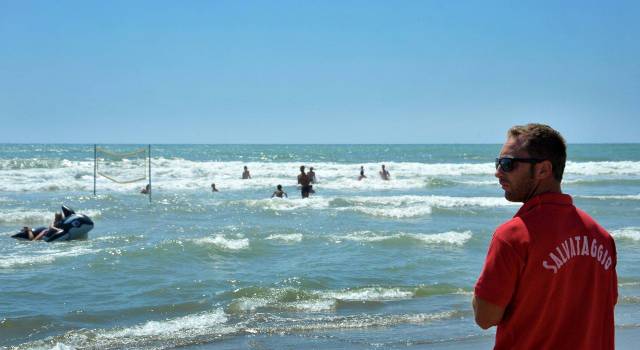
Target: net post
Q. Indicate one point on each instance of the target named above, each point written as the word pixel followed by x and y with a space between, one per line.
pixel 95 166
pixel 149 153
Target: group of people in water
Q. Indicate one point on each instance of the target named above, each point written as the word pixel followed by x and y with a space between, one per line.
pixel 305 181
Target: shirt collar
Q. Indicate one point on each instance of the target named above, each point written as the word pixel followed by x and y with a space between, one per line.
pixel 545 198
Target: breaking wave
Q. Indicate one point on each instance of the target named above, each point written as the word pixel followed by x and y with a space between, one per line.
pixel 177 174
pixel 451 237
pixel 223 242
pixel 30 217
pixel 628 233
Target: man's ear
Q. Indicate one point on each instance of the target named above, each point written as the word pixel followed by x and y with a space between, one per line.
pixel 544 170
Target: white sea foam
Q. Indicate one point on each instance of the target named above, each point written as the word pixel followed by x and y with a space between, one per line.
pixel 44 256
pixel 250 304
pixel 291 237
pixel 321 300
pixel 26 217
pixel 315 202
pixel 118 238
pixel 363 236
pixel 319 305
pixel 224 242
pixel 628 284
pixel 23 216
pixel 396 213
pixel 631 233
pixel 381 206
pixel 187 326
pixel 461 291
pixel 479 182
pixel 603 168
pixel 451 237
pixel 433 201
pixel 62 346
pixel 370 294
pixel 313 305
pixel 634 197
pixel 180 174
pixel 366 321
pixel 412 206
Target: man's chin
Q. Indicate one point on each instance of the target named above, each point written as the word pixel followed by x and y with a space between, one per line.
pixel 511 197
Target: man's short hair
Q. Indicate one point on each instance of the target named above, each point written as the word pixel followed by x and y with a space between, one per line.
pixel 543 142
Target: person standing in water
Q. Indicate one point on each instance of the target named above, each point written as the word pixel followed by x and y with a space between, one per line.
pixel 213 188
pixel 245 173
pixel 312 179
pixel 279 192
pixel 362 175
pixel 384 174
pixel 312 175
pixel 304 182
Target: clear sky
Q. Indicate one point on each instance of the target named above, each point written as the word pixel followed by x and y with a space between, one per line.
pixel 317 71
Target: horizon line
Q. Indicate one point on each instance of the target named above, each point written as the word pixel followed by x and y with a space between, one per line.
pixel 300 144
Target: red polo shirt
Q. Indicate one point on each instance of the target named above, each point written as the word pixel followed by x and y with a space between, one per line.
pixel 552 268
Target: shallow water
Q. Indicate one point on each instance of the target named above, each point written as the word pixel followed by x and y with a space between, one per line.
pixel 361 264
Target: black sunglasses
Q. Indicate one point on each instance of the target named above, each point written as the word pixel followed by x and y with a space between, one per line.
pixel 507 164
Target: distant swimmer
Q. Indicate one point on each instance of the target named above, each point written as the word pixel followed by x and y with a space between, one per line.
pixel 245 173
pixel 384 174
pixel 146 189
pixel 279 192
pixel 304 182
pixel 312 175
pixel 213 188
pixel 362 175
pixel 312 179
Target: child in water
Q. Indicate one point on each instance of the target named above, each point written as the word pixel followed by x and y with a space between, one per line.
pixel 279 192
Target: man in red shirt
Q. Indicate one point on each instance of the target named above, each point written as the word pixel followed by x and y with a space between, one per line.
pixel 549 280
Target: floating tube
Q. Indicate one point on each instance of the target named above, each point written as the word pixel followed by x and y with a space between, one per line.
pixel 73 226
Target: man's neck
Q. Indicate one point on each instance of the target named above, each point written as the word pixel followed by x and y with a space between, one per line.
pixel 544 187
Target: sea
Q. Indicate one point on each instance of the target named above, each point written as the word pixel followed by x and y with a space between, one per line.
pixel 361 264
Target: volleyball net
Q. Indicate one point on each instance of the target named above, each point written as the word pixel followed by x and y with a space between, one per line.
pixel 122 165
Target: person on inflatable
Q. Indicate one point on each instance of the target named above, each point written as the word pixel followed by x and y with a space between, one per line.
pixel 57 220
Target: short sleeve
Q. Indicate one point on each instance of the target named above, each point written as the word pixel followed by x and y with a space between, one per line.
pixel 614 280
pixel 499 276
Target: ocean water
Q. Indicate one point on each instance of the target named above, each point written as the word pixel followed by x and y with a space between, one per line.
pixel 361 264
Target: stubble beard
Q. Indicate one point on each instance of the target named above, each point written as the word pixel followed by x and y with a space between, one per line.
pixel 520 193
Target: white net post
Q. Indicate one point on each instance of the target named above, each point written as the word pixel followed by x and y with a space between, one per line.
pixel 149 164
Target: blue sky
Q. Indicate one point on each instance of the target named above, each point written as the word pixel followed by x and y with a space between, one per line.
pixel 317 71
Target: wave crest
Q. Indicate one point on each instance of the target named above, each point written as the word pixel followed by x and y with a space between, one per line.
pixel 221 241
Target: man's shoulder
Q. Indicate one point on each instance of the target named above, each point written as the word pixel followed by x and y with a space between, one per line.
pixel 591 224
pixel 512 230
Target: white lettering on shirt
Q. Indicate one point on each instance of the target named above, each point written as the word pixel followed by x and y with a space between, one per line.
pixel 585 246
pixel 546 265
pixel 594 250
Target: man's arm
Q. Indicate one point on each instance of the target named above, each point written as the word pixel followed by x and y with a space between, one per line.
pixel 487 314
